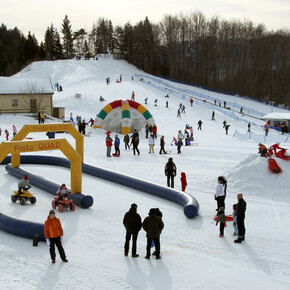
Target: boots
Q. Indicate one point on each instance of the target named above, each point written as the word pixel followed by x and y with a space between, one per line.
pixel 238 240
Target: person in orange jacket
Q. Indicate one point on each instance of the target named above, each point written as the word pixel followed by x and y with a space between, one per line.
pixel 183 181
pixel 263 150
pixel 53 233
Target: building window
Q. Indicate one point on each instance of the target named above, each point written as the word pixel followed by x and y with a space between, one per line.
pixel 14 102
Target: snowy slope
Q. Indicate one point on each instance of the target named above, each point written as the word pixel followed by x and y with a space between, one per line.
pixel 193 256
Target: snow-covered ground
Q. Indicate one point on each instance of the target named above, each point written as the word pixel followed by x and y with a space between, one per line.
pixel 193 256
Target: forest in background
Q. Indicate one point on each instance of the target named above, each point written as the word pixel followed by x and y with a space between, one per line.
pixel 226 55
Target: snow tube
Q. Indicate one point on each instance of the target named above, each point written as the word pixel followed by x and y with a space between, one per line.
pixel 229 218
pixel 273 166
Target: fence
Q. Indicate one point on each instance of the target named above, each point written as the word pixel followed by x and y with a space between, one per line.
pixel 262 137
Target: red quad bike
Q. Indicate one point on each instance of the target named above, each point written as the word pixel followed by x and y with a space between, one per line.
pixel 63 203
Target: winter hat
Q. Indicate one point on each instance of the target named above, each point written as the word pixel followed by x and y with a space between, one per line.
pixel 51 212
pixel 108 132
pixel 183 174
pixel 26 177
pixel 170 159
pixel 152 211
pixel 134 205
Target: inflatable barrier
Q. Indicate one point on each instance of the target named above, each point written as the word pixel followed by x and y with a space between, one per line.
pixel 21 228
pixel 28 229
pixel 190 204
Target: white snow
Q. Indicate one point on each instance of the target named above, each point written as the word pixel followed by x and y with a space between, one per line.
pixel 193 255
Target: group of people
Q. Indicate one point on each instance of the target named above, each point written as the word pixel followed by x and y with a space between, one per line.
pixel 239 211
pixel 273 149
pixel 14 130
pixel 152 225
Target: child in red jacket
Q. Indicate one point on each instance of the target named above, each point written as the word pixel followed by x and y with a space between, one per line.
pixel 183 181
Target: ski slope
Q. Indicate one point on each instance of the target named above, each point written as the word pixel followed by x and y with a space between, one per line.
pixel 193 256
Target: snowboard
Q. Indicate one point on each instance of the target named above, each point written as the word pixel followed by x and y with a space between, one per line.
pixel 229 218
pixel 273 166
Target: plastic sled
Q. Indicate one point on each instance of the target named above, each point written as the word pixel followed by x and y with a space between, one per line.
pixel 283 154
pixel 273 166
pixel 229 218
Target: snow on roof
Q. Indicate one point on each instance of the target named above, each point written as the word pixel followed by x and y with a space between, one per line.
pixel 277 116
pixel 16 85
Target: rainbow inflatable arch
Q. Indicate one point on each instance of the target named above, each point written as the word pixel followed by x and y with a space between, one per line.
pixel 123 116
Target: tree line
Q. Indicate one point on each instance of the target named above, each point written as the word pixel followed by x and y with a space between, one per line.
pixel 228 55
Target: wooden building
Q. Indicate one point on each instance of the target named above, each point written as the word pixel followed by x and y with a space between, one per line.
pixel 26 95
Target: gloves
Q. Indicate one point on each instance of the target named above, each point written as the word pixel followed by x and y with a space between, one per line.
pixel 61 238
pixel 48 242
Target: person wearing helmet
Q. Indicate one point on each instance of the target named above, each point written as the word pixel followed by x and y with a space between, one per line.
pixel 170 172
pixel 23 184
pixel 263 150
pixel 62 192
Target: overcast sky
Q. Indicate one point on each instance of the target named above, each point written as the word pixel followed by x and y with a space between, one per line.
pixel 37 15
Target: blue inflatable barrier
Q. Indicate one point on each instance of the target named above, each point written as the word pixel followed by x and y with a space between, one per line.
pixel 21 228
pixel 29 229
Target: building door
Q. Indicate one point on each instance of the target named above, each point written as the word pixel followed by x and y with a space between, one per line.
pixel 33 105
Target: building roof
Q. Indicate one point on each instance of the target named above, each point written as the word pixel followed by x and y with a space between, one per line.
pixel 277 116
pixel 16 85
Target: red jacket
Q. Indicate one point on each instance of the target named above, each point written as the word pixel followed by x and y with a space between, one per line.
pixel 154 129
pixel 52 228
pixel 109 141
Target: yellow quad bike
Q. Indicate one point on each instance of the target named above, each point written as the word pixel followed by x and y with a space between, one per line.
pixel 24 197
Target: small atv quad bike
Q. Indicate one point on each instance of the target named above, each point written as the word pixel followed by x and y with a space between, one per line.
pixel 63 203
pixel 24 197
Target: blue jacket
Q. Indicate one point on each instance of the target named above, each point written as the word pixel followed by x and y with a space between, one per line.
pixel 117 141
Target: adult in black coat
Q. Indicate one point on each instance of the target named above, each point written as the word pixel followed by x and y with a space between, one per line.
pixel 133 223
pixel 153 226
pixel 170 172
pixel 135 142
pixel 241 210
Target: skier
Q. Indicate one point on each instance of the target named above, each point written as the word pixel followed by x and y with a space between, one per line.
pixel 133 223
pixel 183 181
pixel 170 172
pixel 199 125
pixel 227 128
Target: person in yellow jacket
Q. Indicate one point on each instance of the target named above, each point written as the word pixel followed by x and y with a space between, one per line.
pixel 53 233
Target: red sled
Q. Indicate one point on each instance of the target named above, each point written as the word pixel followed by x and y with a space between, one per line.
pixel 229 218
pixel 115 155
pixel 273 166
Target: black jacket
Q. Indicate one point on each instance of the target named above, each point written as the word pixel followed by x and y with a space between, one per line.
pixel 241 209
pixel 153 226
pixel 132 221
pixel 170 168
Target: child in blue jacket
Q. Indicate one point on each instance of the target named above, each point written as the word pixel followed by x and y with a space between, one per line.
pixel 235 225
pixel 117 145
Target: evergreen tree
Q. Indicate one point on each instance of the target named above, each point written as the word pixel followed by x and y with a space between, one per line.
pixel 67 36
